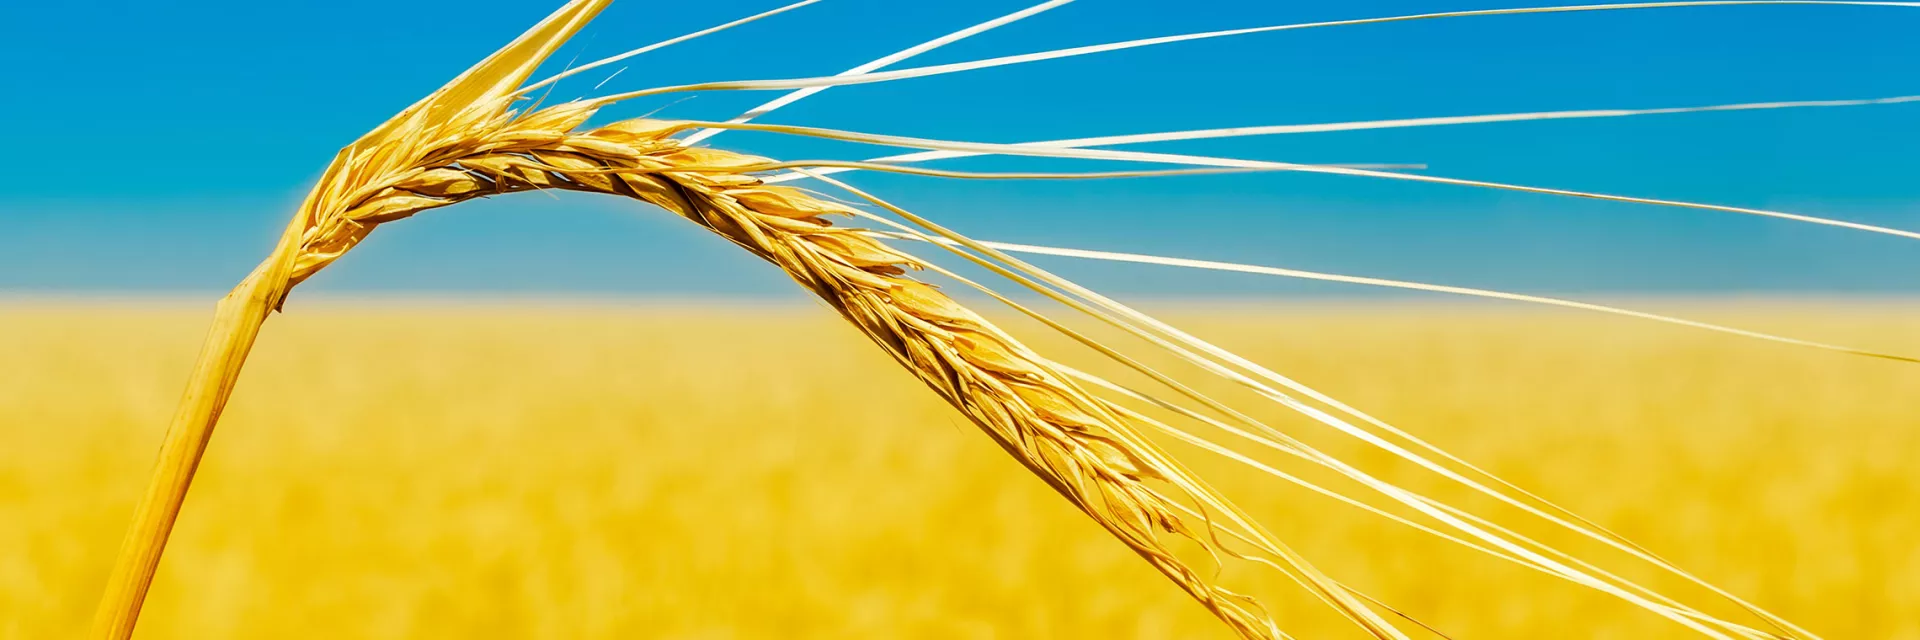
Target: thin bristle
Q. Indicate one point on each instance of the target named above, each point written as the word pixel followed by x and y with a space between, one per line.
pixel 879 63
pixel 1366 125
pixel 1214 265
pixel 1176 342
pixel 987 148
pixel 1056 54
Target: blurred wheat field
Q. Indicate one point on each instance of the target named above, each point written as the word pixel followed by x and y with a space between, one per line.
pixel 490 470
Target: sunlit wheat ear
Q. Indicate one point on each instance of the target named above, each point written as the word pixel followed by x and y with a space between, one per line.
pixel 1035 414
pixel 447 151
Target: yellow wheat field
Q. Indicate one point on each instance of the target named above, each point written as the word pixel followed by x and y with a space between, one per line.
pixel 738 471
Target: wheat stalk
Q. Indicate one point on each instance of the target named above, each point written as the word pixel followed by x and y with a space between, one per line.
pixel 1014 395
pixel 1021 400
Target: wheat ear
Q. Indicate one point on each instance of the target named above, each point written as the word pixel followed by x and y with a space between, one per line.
pixel 1017 397
pixel 464 142
pixel 1014 395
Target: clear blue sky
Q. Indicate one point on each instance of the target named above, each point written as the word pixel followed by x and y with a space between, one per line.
pixel 160 146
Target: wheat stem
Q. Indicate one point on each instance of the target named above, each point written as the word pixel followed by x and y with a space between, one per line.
pixel 236 324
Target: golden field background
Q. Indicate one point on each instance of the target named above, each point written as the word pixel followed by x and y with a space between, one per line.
pixel 497 470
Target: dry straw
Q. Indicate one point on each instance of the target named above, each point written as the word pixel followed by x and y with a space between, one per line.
pixel 1073 430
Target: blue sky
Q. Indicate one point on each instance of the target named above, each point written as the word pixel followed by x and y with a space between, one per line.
pixel 158 147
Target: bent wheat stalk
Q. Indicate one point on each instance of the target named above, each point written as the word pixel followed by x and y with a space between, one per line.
pixel 465 142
